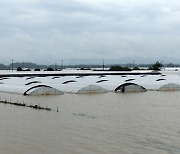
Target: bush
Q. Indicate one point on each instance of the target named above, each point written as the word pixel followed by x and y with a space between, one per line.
pixel 85 68
pixel 157 66
pixel 37 69
pixel 136 68
pixel 27 69
pixel 119 68
pixel 126 69
pixel 19 69
pixel 50 69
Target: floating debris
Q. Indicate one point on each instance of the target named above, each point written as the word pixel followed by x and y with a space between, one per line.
pixel 83 115
pixel 37 107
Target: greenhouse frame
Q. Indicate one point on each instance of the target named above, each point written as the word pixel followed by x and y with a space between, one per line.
pixel 77 84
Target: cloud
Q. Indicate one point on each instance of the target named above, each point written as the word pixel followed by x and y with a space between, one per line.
pixel 51 30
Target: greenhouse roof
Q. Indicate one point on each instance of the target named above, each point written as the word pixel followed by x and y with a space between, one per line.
pixel 91 83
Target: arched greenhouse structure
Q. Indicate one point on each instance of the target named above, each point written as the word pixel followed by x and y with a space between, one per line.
pixel 92 89
pixel 130 87
pixel 42 90
pixel 170 87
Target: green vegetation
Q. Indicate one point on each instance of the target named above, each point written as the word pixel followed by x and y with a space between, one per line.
pixel 49 69
pixel 27 69
pixel 37 69
pixel 136 68
pixel 26 66
pixel 157 66
pixel 119 68
pixel 85 68
pixel 19 69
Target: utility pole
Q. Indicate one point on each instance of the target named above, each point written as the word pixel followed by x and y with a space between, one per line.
pixel 23 65
pixel 103 64
pixel 61 64
pixel 12 65
pixel 133 63
pixel 55 66
pixel 162 65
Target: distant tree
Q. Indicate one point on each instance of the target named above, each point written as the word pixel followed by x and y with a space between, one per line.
pixel 116 68
pixel 27 69
pixel 19 69
pixel 3 67
pixel 37 69
pixel 170 65
pixel 157 66
pixel 119 68
pixel 126 69
pixel 82 68
pixel 136 68
pixel 50 69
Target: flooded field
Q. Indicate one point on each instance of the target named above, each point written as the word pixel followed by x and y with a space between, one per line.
pixel 127 123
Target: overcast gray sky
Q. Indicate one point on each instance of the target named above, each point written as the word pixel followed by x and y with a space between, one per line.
pixel 51 30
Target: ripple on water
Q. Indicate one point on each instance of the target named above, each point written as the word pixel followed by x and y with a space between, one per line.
pixel 156 144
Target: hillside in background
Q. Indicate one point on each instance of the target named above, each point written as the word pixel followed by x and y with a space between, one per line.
pixel 3 67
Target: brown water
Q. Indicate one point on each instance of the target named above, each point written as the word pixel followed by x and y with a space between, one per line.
pixel 133 123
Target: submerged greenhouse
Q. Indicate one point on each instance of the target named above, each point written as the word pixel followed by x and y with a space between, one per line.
pixel 170 87
pixel 42 90
pixel 92 89
pixel 77 84
pixel 130 87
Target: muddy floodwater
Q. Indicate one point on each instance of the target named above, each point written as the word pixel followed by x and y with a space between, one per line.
pixel 110 123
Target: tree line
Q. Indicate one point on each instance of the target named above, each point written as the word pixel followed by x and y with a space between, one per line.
pixel 26 66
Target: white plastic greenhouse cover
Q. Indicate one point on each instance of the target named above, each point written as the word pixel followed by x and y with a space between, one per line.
pixel 89 84
pixel 170 87
pixel 92 89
